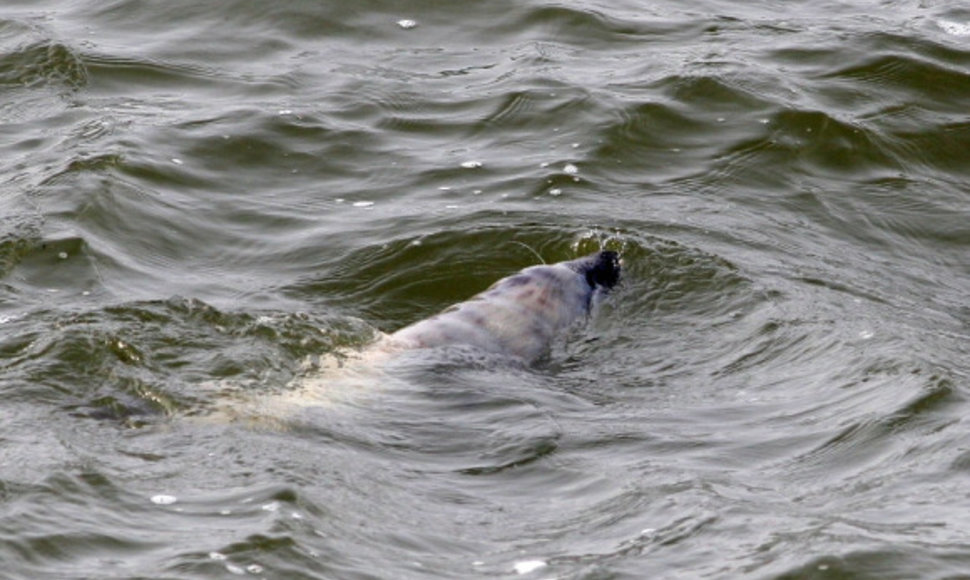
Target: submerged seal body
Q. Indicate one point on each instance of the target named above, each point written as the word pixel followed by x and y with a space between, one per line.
pixel 519 315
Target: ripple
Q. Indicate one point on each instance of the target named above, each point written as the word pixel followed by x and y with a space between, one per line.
pixel 29 59
pixel 911 77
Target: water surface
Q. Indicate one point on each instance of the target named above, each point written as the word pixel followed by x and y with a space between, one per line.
pixel 201 203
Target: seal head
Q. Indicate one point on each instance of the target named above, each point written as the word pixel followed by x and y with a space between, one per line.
pixel 522 314
pixel 601 270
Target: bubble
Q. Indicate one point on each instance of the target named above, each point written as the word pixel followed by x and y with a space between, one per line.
pixel 217 556
pixel 363 203
pixel 271 506
pixel 570 169
pixel 62 255
pixel 233 569
pixel 407 23
pixel 162 499
pixel 555 191
pixel 471 164
pixel 177 161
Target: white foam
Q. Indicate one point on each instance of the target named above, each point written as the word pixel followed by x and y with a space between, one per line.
pixel 407 23
pixel 471 164
pixel 954 28
pixel 526 566
pixel 162 499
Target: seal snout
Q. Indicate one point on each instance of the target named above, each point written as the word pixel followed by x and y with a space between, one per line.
pixel 602 269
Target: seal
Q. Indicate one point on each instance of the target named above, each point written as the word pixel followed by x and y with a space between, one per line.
pixel 518 316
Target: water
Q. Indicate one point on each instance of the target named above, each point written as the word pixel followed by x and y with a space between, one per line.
pixel 199 201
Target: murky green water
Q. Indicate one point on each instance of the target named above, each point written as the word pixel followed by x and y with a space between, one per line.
pixel 199 200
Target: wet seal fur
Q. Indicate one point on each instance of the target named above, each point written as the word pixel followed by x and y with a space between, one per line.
pixel 517 318
pixel 520 315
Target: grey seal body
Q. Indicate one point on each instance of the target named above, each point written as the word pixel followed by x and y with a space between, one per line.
pixel 519 315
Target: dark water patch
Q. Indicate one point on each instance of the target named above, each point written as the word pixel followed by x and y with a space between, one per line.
pixel 941 148
pixel 17 242
pixel 658 132
pixel 812 142
pixel 671 277
pixel 910 77
pixel 888 563
pixel 273 146
pixel 593 28
pixel 32 59
pixel 49 263
pixel 714 96
pixel 110 72
pixel 524 112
